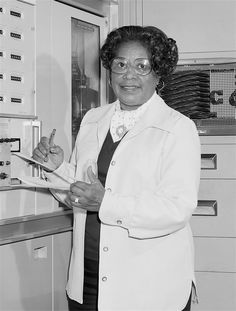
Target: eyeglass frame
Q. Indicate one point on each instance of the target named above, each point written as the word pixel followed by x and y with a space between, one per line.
pixel 128 65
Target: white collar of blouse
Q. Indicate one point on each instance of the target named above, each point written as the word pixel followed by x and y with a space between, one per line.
pixel 124 120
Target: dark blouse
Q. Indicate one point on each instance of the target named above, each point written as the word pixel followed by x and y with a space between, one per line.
pixel 92 229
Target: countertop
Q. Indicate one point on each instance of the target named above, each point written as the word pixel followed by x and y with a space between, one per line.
pixel 31 226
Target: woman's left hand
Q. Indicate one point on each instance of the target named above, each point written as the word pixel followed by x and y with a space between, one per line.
pixel 86 195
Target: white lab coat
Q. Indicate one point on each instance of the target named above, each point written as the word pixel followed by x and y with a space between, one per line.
pixel 146 246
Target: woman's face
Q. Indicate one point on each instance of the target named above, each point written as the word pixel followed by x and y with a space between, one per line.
pixel 133 89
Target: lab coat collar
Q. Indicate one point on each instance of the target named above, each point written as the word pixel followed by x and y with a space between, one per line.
pixel 156 115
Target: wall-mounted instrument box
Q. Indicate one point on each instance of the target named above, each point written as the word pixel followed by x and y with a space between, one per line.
pixel 17 58
pixel 19 128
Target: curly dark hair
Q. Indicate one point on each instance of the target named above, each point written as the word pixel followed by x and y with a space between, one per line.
pixel 163 51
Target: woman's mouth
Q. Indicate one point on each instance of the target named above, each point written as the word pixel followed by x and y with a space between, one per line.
pixel 129 87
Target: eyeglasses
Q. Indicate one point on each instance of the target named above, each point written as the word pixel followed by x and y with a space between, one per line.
pixel 121 65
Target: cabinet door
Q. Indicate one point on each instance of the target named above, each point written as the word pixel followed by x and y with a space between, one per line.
pixel 61 256
pixel 26 275
pixel 201 28
pixel 69 80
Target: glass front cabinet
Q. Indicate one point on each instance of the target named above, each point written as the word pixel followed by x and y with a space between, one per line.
pixel 85 70
pixel 78 81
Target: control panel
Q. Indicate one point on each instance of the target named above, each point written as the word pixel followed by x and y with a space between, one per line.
pixel 5 160
pixel 17 57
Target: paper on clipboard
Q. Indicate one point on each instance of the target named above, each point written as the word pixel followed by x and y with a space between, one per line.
pixel 36 182
pixel 29 159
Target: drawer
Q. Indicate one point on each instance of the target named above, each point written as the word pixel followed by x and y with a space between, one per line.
pixel 215 254
pixel 216 213
pixel 218 161
pixel 216 291
pixel 218 140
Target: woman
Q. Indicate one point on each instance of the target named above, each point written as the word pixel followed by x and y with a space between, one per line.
pixel 136 164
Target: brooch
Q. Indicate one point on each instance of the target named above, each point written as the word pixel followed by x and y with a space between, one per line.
pixel 121 130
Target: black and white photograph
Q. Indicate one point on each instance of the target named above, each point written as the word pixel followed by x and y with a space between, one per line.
pixel 117 155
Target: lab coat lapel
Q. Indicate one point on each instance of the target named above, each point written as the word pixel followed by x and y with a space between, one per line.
pixel 156 115
pixel 104 124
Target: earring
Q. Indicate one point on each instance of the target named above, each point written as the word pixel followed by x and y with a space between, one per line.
pixel 160 86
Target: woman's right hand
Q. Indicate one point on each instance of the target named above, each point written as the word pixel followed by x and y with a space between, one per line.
pixel 52 155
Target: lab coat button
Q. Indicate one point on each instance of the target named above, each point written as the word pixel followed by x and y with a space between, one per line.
pixel 119 222
pixel 104 278
pixel 105 248
pixel 113 163
pixel 109 189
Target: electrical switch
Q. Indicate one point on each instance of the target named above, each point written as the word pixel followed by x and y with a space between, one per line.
pixel 3 175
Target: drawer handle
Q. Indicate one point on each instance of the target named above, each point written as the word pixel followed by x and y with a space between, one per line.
pixel 208 161
pixel 40 252
pixel 206 208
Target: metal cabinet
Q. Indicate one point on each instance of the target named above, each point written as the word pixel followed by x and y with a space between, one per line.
pixel 202 29
pixel 26 275
pixel 33 274
pixel 214 224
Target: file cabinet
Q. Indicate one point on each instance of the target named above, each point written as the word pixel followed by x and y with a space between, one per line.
pixel 214 226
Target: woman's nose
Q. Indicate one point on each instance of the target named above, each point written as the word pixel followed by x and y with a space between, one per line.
pixel 130 73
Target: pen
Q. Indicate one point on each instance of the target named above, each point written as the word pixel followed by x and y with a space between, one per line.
pixel 51 139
